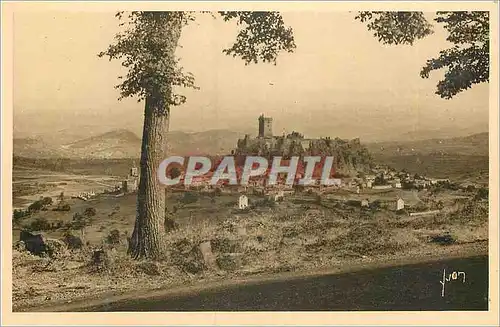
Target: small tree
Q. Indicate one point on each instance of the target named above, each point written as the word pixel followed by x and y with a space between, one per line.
pixel 60 198
pixel 35 207
pixel 40 224
pixel 113 237
pixel 46 201
pixel 80 222
pixel 89 212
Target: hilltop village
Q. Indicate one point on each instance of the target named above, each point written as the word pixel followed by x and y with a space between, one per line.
pixel 354 168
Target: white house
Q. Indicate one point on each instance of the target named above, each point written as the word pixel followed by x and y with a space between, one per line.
pixel 243 202
pixel 400 204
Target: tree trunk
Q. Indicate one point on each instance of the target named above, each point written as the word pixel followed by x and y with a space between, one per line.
pixel 148 237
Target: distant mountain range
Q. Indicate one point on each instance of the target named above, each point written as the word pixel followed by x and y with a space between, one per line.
pixel 122 143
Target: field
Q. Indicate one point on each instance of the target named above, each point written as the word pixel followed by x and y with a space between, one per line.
pixel 462 168
pixel 30 183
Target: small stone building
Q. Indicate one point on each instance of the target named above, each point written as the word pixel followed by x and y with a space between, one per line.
pixel 129 185
pixel 243 202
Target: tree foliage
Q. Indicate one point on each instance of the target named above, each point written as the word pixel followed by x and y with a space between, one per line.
pixel 466 63
pixel 144 49
pixel 263 36
pixel 396 27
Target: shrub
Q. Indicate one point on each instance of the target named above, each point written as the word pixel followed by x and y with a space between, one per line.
pixel 46 201
pixel 17 215
pixel 470 188
pixel 58 224
pixel 267 202
pixel 401 212
pixel 40 224
pixel 89 212
pixel 35 206
pixel 189 197
pixel 375 204
pixel 481 194
pixel 63 207
pixel 73 242
pixel 80 222
pixel 113 237
pixel 100 260
pixel 353 203
pixel 170 225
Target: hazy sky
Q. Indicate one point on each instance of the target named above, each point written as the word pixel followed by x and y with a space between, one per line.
pixel 339 81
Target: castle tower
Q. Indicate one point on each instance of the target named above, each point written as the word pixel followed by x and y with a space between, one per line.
pixel 265 127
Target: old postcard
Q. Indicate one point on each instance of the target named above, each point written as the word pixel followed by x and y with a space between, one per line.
pixel 250 163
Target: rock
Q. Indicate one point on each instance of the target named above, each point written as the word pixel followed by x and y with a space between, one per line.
pixel 34 243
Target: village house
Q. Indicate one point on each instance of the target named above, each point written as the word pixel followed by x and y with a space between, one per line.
pixel 131 183
pixel 400 204
pixel 365 203
pixel 396 183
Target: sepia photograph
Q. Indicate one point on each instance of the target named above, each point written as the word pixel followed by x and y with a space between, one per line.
pixel 279 158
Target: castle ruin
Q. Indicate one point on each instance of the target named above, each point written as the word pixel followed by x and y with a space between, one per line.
pixel 349 154
pixel 265 127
